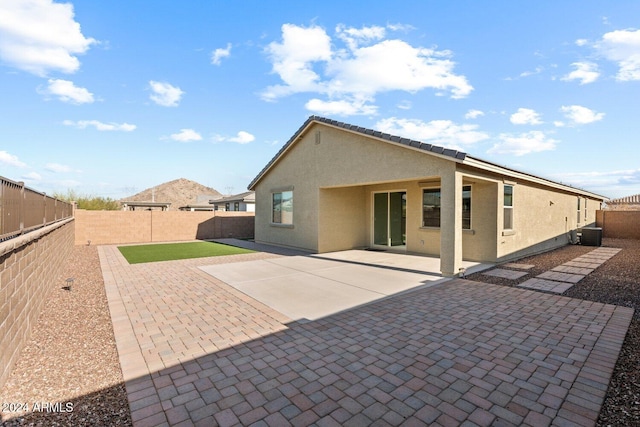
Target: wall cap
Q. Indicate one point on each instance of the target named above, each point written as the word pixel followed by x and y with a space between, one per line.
pixel 22 240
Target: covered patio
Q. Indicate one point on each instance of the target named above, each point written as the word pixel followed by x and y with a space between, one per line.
pixel 313 286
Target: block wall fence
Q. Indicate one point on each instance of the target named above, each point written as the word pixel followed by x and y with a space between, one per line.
pixel 30 268
pixel 619 224
pixel 122 227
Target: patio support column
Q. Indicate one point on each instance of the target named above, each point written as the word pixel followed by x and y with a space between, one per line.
pixel 451 223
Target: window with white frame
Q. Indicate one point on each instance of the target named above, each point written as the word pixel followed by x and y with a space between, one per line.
pixel 508 207
pixel 236 206
pixel 282 207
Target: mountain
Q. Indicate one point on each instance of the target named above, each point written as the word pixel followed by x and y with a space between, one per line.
pixel 179 192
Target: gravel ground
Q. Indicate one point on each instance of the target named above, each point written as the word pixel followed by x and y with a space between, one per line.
pixel 72 355
pixel 71 358
pixel 617 281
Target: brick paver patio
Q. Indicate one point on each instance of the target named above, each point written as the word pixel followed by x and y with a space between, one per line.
pixel 196 352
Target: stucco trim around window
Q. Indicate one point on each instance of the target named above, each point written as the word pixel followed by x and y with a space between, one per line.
pixel 281 189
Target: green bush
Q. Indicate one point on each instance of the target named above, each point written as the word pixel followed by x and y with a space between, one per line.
pixel 88 202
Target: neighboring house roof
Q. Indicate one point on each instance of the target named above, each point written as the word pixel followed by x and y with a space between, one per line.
pixel 146 204
pixel 196 207
pixel 247 197
pixel 446 153
pixel 627 200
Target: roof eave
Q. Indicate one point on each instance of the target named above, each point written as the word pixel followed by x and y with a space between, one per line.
pixel 511 173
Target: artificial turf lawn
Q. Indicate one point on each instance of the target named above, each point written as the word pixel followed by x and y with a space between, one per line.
pixel 172 251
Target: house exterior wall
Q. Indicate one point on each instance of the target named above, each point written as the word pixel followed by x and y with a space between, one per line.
pixel 342 219
pixel 334 174
pixel 326 157
pixel 543 219
pixel 243 207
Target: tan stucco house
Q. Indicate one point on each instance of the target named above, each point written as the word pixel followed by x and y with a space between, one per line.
pixel 244 202
pixel 335 186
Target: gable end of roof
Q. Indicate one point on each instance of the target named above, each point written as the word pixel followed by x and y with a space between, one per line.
pixel 457 155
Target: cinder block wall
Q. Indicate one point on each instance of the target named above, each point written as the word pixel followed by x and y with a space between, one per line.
pixel 119 227
pixel 619 224
pixel 30 266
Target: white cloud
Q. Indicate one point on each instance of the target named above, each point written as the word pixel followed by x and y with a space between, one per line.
pixel 582 42
pixel 586 72
pixel 524 143
pixel 580 115
pixel 405 105
pixel 622 47
pixel 340 108
pixel 443 132
pixel 40 36
pixel 473 114
pixel 241 138
pixel 83 124
pixel 525 116
pixel 186 135
pixel 220 53
pixel 537 70
pixel 293 59
pixel 11 160
pixel 618 179
pixel 353 37
pixel 165 94
pixel 66 91
pixel 32 176
pixel 306 61
pixel 57 168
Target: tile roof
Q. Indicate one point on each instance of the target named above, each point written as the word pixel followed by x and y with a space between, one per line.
pixel 458 155
pixel 247 196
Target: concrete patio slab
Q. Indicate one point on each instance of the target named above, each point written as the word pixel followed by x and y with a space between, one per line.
pixel 303 287
pixel 400 261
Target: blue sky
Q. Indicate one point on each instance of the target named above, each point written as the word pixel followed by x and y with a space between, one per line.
pixel 110 98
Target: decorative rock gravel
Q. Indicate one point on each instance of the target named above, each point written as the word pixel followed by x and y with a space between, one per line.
pixel 71 359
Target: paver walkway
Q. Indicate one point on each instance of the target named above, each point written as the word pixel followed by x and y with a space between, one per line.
pixel 564 276
pixel 194 351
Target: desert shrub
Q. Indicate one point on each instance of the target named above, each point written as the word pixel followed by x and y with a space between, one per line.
pixel 89 202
